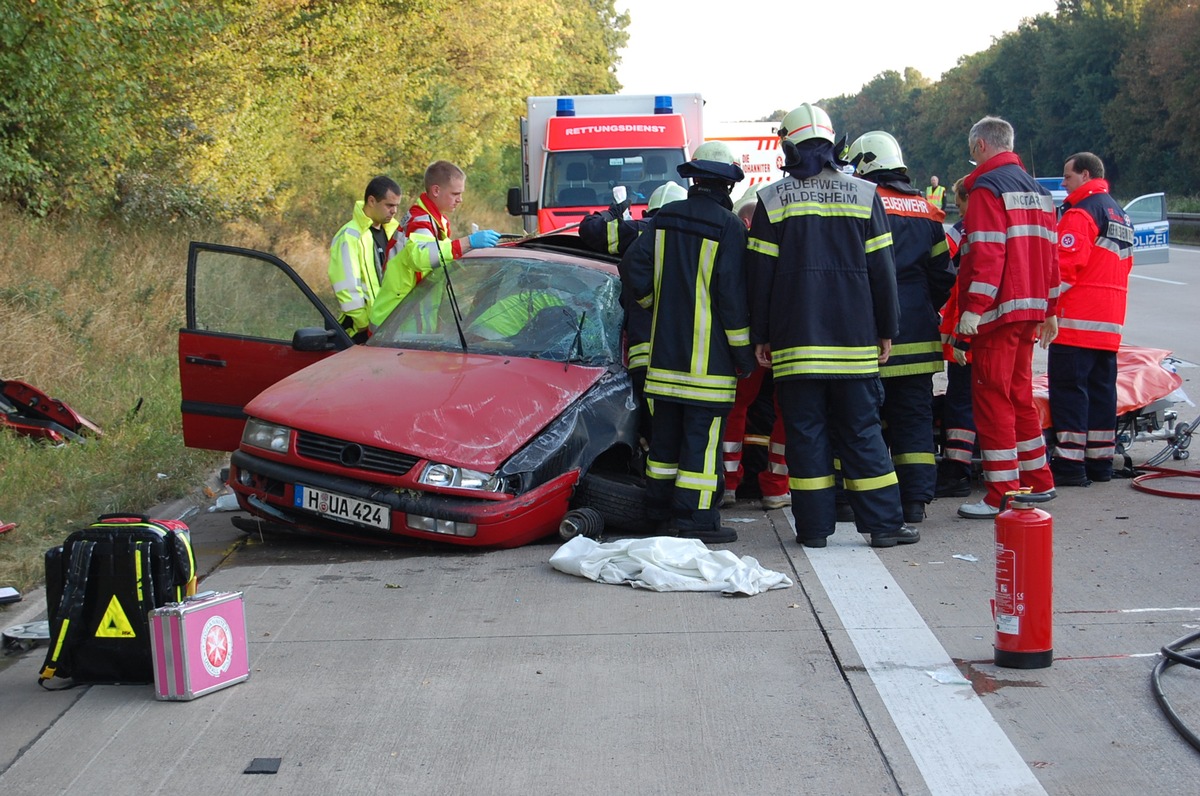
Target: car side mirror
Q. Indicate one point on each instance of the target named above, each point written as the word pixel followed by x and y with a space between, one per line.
pixel 314 339
pixel 516 207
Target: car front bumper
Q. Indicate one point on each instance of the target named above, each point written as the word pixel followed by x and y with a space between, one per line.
pixel 499 523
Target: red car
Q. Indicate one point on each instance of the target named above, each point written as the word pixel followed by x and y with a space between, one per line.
pixel 491 402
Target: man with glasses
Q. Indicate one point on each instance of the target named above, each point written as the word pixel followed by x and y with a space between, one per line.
pixel 1007 290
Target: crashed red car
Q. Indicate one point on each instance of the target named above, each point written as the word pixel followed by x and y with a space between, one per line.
pixel 491 402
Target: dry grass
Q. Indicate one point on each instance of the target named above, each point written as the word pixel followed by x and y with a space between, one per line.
pixel 89 314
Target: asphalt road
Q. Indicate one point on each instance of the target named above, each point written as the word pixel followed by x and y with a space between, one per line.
pixel 444 671
pixel 1164 301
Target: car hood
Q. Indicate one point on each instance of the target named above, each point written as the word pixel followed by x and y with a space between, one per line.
pixel 463 409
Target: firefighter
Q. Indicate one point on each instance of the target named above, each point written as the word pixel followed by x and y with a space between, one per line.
pixel 426 242
pixel 1008 285
pixel 824 311
pixel 356 255
pixel 687 268
pixel 608 231
pixel 1095 254
pixel 923 281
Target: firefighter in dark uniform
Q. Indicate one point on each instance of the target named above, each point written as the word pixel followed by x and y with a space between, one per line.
pixel 609 231
pixel 924 279
pixel 687 268
pixel 824 311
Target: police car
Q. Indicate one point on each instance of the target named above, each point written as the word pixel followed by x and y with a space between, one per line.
pixel 1151 229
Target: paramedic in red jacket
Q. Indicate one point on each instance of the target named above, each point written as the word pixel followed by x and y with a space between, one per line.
pixel 1095 253
pixel 958 421
pixel 1007 291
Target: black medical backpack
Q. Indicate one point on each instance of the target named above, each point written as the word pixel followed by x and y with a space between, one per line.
pixel 101 585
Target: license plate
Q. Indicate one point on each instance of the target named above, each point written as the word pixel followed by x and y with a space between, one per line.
pixel 343 507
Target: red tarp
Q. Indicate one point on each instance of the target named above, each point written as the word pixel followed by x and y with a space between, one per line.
pixel 1141 380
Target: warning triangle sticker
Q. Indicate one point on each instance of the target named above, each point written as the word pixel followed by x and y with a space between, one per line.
pixel 115 624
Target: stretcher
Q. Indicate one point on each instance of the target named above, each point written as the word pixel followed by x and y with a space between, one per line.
pixel 1143 384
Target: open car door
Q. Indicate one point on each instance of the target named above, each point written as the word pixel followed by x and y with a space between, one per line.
pixel 1151 229
pixel 251 321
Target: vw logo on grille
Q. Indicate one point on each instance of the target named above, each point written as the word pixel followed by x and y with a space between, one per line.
pixel 352 455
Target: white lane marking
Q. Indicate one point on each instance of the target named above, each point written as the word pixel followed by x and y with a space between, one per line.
pixel 956 743
pixel 1156 279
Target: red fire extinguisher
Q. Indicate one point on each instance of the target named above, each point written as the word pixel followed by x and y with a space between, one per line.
pixel 1024 598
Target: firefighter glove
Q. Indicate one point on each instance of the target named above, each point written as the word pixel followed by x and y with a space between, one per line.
pixel 968 323
pixel 744 361
pixel 618 208
pixel 960 356
pixel 484 238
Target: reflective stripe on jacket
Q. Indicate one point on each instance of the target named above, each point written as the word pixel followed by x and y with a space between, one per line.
pixel 425 225
pixel 924 279
pixel 822 278
pixel 423 244
pixel 1009 266
pixel 687 268
pixel 353 270
pixel 1095 255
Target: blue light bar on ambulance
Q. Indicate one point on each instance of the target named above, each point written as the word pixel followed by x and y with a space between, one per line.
pixel 662 104
pixel 566 107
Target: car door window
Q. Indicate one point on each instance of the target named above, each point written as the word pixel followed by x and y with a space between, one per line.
pixel 1147 209
pixel 239 294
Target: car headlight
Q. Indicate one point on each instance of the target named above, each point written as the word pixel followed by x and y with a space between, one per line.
pixel 445 475
pixel 268 436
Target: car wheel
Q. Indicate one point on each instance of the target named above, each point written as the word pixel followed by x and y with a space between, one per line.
pixel 620 500
pixel 581 522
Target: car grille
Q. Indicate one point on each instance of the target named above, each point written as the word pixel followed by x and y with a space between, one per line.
pixel 328 449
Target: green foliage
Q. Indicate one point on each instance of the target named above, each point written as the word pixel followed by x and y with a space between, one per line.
pixel 83 82
pixel 1115 77
pixel 159 111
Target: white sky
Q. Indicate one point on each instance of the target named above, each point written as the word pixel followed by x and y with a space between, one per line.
pixel 775 54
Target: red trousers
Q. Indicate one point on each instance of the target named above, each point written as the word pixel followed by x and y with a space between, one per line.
pixel 1010 434
pixel 773 481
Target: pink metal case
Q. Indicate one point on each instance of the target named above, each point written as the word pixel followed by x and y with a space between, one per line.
pixel 199 645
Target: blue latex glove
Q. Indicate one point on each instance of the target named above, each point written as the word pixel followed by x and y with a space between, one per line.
pixel 484 238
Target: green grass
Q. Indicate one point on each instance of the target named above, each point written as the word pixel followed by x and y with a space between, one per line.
pixel 1183 204
pixel 139 461
pixel 89 314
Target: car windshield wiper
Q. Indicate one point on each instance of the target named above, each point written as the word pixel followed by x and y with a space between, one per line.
pixel 462 338
pixel 577 343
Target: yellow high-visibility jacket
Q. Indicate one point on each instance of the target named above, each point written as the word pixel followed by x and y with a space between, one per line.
pixel 354 270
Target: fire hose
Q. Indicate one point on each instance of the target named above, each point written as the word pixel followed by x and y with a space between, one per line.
pixel 1176 448
pixel 1172 654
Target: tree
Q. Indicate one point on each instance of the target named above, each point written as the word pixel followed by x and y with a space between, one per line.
pixel 80 91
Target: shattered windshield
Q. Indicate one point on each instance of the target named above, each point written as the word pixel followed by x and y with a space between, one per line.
pixel 511 306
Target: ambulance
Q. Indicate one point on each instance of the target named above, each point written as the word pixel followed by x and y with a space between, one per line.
pixel 576 149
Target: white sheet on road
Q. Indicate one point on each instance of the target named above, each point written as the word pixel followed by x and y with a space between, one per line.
pixel 665 563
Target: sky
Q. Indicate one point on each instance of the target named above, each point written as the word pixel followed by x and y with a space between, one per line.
pixel 677 48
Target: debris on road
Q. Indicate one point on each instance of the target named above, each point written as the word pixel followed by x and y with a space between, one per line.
pixel 26 410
